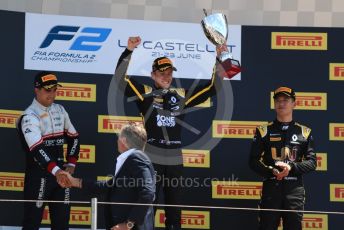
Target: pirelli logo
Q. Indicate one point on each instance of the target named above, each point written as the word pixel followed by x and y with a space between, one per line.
pixel 321 161
pixel 189 219
pixel 113 124
pixel 298 41
pixel 337 192
pixel 8 118
pixel 78 216
pixel 87 153
pixel 307 101
pixel 76 92
pixel 49 77
pixel 311 101
pixel 312 221
pixel 164 61
pixel 337 71
pixel 236 190
pixel 196 158
pixel 315 221
pixel 235 129
pixel 336 131
pixel 10 181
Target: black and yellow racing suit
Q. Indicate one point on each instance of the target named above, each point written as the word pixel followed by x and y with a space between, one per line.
pixel 163 112
pixel 291 143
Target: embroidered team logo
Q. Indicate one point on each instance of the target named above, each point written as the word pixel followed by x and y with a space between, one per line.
pixel 173 99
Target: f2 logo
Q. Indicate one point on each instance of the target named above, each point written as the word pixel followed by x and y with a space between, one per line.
pixel 66 33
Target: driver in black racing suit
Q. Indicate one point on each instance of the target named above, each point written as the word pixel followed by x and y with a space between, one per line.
pixel 282 151
pixel 162 108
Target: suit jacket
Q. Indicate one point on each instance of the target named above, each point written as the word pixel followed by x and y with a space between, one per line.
pixel 134 183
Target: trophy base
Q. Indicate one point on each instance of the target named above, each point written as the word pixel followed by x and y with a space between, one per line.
pixel 231 68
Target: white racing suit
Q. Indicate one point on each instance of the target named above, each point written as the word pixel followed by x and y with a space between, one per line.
pixel 43 131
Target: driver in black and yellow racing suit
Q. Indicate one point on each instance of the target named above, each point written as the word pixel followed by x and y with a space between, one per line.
pixel 163 108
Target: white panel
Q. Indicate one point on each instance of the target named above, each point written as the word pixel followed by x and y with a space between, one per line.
pixel 184 43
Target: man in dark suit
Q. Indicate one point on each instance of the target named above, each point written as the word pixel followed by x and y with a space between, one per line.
pixel 133 182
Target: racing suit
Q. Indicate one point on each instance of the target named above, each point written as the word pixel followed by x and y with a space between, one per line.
pixel 43 131
pixel 162 112
pixel 291 143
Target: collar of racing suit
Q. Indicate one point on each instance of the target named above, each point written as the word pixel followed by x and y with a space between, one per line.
pixel 281 125
pixel 160 90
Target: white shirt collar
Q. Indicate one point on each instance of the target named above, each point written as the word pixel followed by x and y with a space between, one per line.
pixel 122 158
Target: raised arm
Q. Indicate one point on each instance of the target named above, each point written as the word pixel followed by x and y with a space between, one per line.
pixel 201 93
pixel 130 86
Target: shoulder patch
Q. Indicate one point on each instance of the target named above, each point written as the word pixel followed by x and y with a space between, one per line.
pixel 30 119
pixel 31 113
pixel 148 89
pixel 179 91
pixel 305 130
pixel 263 130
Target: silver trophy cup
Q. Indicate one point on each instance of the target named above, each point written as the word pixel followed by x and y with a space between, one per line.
pixel 215 28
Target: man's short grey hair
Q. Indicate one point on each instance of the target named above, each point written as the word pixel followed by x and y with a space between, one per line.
pixel 135 135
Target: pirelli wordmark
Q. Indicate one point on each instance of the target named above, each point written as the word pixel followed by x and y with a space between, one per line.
pixel 337 192
pixel 312 222
pixel 8 118
pixel 307 101
pixel 113 124
pixel 236 190
pixel 76 92
pixel 336 71
pixel 78 216
pixel 196 158
pixel 87 153
pixel 235 129
pixel 189 219
pixel 298 41
pixel 336 131
pixel 10 181
pixel 321 161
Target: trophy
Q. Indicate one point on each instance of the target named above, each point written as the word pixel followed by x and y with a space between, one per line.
pixel 215 27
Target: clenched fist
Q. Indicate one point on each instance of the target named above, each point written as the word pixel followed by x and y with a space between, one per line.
pixel 133 42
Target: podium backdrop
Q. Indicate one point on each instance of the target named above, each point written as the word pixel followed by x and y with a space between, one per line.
pixel 310 60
